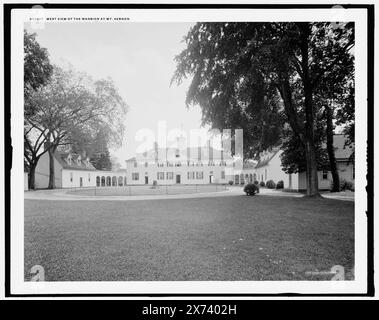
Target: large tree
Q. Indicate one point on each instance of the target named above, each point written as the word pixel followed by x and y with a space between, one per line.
pixel 293 58
pixel 37 72
pixel 71 106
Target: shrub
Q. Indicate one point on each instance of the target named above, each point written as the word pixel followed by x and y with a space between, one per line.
pixel 256 182
pixel 344 185
pixel 231 182
pixel 280 184
pixel 270 184
pixel 251 189
pixel 262 183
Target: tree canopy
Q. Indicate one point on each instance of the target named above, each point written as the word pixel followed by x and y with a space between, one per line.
pixel 37 67
pixel 263 77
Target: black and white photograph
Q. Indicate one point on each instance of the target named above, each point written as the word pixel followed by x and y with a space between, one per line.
pixel 189 151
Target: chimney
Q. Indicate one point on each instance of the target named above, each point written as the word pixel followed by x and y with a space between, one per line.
pixel 156 151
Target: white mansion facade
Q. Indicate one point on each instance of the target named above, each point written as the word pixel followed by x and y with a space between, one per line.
pixel 165 166
pixel 205 165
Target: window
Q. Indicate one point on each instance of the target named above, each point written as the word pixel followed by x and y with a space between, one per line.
pixel 265 174
pixel 89 177
pixel 222 174
pixel 71 176
pixel 199 175
pixel 178 164
pixel 146 164
pixel 325 174
pixel 135 176
pixel 191 175
pixel 353 172
pixel 160 175
pixel 135 164
pixel 177 153
pixel 169 175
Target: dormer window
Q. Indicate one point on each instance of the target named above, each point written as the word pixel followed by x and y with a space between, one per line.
pixel 69 159
pixel 177 153
pixel 79 160
pixel 87 162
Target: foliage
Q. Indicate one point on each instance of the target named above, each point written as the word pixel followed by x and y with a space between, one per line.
pixel 37 72
pixel 71 110
pixel 251 189
pixel 280 184
pixel 37 67
pixel 262 77
pixel 256 182
pixel 101 161
pixel 231 182
pixel 293 155
pixel 262 184
pixel 270 184
pixel 344 185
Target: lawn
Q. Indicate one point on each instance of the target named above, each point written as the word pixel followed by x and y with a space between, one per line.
pixel 222 238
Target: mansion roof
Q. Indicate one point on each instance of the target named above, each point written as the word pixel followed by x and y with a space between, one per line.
pixel 189 153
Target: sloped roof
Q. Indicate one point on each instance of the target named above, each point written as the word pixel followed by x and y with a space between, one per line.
pixel 192 151
pixel 267 158
pixel 249 164
pixel 62 159
pixel 341 151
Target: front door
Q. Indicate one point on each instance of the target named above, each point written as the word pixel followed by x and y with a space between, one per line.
pixel 178 178
pixel 211 178
pixel 81 182
pixel 146 180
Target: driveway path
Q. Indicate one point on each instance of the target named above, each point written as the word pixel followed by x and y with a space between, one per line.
pixel 65 194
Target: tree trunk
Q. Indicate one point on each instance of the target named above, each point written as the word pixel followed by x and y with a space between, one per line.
pixel 51 166
pixel 330 148
pixel 310 152
pixel 31 177
pixel 311 174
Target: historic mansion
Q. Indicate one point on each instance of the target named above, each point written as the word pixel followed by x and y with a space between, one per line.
pixel 190 165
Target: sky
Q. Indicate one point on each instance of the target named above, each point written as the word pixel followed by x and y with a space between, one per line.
pixel 139 57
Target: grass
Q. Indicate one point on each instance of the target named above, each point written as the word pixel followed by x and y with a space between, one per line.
pixel 223 238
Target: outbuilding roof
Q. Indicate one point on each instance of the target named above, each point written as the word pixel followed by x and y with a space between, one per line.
pixel 76 163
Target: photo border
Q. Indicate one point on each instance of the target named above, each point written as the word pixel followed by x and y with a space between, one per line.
pixel 7 8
